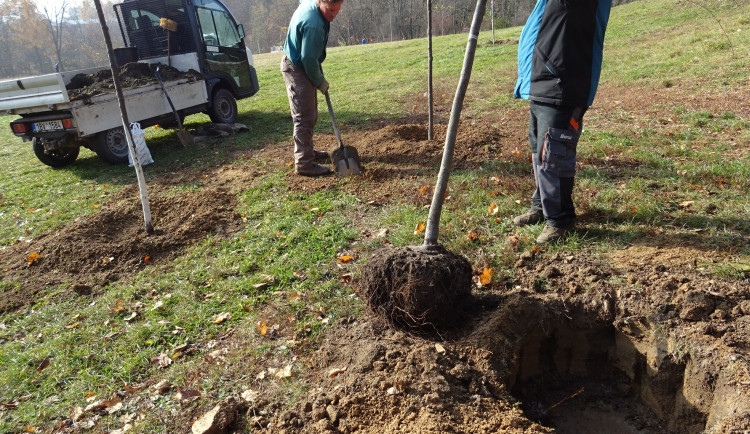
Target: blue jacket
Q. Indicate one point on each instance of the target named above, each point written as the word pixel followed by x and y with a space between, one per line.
pixel 560 51
pixel 307 38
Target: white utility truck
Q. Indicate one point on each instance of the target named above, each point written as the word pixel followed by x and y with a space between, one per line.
pixel 200 38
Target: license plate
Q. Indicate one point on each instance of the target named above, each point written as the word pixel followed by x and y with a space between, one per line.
pixel 41 127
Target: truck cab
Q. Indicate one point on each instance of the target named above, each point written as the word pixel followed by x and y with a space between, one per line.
pixel 204 28
pixel 189 35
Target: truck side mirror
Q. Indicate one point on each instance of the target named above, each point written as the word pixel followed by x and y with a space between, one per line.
pixel 241 30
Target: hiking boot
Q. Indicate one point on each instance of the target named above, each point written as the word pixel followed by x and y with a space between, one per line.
pixel 552 233
pixel 321 155
pixel 314 170
pixel 531 217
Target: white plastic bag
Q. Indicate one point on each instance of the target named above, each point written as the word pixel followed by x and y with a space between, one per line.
pixel 139 140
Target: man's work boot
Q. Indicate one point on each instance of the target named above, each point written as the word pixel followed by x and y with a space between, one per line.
pixel 314 170
pixel 531 217
pixel 321 155
pixel 551 233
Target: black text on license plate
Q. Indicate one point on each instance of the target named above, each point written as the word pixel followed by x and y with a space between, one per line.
pixel 41 127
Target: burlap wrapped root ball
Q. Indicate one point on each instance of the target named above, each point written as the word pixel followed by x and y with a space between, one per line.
pixel 416 288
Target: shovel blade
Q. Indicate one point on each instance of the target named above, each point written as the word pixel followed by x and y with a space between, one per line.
pixel 185 138
pixel 347 167
pixel 345 160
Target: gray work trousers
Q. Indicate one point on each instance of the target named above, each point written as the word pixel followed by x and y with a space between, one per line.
pixel 553 135
pixel 303 103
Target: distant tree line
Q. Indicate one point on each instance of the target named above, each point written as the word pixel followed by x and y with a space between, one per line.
pixel 68 35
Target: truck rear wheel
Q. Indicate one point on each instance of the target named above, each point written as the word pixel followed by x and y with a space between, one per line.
pixel 112 146
pixel 223 107
pixel 55 158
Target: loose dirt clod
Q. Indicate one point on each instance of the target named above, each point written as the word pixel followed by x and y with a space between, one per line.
pixel 416 288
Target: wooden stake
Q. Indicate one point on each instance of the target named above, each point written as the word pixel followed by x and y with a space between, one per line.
pixel 125 122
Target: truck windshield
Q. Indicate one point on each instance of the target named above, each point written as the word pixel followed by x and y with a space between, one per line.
pixel 217 24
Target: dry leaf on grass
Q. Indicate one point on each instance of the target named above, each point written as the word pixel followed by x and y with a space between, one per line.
pixel 221 317
pixel 344 259
pixel 162 360
pixel 419 228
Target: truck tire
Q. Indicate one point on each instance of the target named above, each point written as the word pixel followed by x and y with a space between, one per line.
pixel 56 158
pixel 112 146
pixel 223 107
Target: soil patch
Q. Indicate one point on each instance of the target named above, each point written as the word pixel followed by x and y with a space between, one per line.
pixel 112 243
pixel 579 352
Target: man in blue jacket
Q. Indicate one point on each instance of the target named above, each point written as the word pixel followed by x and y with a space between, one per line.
pixel 559 63
pixel 304 52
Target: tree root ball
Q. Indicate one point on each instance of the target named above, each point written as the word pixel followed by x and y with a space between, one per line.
pixel 416 287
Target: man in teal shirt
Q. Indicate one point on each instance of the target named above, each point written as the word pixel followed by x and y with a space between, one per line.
pixel 304 52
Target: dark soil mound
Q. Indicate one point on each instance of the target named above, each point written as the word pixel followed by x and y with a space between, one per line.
pixel 416 288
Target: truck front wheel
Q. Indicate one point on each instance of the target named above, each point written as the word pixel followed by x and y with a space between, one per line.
pixel 223 107
pixel 112 146
pixel 57 157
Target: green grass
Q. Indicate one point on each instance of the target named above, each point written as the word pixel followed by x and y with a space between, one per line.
pixel 281 266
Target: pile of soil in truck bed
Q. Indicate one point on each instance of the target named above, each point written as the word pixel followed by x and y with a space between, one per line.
pixel 132 75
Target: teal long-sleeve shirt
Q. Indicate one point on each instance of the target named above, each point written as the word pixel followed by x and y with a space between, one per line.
pixel 307 38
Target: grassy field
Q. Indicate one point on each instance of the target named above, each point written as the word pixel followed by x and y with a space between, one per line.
pixel 281 267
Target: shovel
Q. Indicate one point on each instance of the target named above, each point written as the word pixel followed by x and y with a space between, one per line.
pixel 185 137
pixel 345 158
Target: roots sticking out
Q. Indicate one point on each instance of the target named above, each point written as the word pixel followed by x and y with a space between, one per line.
pixel 416 288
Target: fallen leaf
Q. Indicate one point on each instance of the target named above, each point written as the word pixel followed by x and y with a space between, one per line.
pixel 43 364
pixel 419 229
pixel 472 236
pixel 290 164
pixel 686 204
pixel 261 328
pixel 131 317
pixel 187 394
pixel 162 360
pixel 439 348
pixel 486 276
pixel 218 353
pixel 221 317
pixel 424 190
pixel 250 395
pixel 147 259
pixel 344 259
pixel 284 373
pixel 32 258
pixel 336 371
pixel 346 277
pixel 72 326
pixel 493 209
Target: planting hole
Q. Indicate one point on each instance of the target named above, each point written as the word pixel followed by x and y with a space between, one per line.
pixel 601 380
